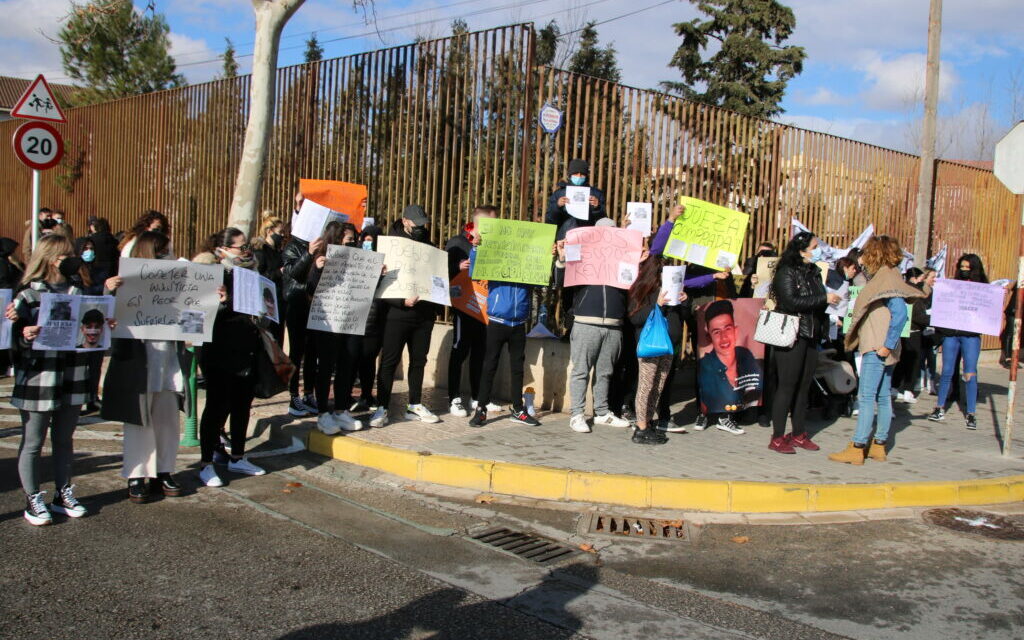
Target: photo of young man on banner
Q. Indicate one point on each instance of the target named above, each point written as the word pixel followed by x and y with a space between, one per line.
pixel 731 362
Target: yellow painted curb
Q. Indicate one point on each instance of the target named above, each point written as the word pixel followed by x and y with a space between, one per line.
pixel 724 496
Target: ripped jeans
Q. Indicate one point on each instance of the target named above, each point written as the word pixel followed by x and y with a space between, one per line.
pixel 969 347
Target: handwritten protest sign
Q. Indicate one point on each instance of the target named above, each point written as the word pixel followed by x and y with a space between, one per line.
pixel 167 300
pixel 514 251
pixel 639 216
pixel 414 269
pixel 346 198
pixel 469 296
pixel 608 256
pixel 253 294
pixel 579 202
pixel 309 223
pixel 851 307
pixel 967 306
pixel 707 234
pixel 6 325
pixel 765 274
pixel 73 323
pixel 344 294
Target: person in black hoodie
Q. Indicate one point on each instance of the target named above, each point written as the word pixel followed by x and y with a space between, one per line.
pixel 798 291
pixel 295 263
pixel 409 323
pixel 371 343
pixel 10 278
pixel 469 335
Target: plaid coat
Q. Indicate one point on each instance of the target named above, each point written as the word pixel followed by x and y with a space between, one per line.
pixel 45 380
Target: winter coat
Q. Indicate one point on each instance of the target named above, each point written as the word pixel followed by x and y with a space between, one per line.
pixel 559 217
pixel 798 291
pixel 128 373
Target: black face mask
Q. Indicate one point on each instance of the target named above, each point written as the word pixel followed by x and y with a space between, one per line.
pixel 766 253
pixel 419 234
pixel 69 267
pixel 352 243
pixel 277 239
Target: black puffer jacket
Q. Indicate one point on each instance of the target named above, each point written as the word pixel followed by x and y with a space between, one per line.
pixel 798 291
pixel 296 261
pixel 558 216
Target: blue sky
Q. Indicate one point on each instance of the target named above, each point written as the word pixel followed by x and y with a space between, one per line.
pixel 862 79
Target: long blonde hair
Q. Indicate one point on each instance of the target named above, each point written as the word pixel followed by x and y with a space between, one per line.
pixel 40 265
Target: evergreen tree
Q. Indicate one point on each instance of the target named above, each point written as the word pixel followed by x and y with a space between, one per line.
pixel 547 44
pixel 749 71
pixel 116 51
pixel 314 51
pixel 592 60
pixel 230 64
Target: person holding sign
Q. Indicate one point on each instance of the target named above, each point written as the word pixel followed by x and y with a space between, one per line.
pixel 557 213
pixel 145 382
pixel 409 324
pixel 798 291
pixel 229 363
pixel 295 263
pixel 879 314
pixel 371 337
pixel 50 387
pixel 964 344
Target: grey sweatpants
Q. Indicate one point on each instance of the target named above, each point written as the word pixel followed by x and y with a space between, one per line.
pixel 61 423
pixel 592 348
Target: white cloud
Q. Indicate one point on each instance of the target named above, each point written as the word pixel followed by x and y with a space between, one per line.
pixel 822 97
pixel 196 60
pixel 897 83
pixel 25 47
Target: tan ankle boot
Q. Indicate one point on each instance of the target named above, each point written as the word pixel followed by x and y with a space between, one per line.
pixel 850 455
pixel 876 451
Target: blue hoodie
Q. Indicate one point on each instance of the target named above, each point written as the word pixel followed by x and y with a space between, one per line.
pixel 508 303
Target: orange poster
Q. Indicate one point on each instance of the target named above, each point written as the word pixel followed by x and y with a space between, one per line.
pixel 469 296
pixel 343 197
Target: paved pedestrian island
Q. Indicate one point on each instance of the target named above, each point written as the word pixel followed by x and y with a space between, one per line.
pixel 929 463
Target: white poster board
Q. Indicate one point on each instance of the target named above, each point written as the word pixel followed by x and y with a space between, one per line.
pixel 639 216
pixel 672 279
pixel 579 202
pixel 414 269
pixel 73 323
pixel 311 219
pixel 6 326
pixel 253 294
pixel 344 294
pixel 167 300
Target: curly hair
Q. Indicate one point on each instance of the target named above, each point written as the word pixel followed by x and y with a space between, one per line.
pixel 881 251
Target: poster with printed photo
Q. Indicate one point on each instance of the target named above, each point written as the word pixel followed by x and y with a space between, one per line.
pixel 731 366
pixel 58 322
pixel 93 330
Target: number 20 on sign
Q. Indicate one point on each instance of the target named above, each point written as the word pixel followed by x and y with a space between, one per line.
pixel 38 145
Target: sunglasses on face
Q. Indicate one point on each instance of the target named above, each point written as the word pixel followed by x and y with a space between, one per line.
pixel 241 247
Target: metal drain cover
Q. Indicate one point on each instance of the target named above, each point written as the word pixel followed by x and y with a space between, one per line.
pixel 636 528
pixel 979 522
pixel 525 545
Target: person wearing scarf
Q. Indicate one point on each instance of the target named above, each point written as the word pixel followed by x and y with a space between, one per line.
pixel 879 315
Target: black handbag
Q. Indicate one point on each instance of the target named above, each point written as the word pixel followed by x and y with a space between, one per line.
pixel 273 368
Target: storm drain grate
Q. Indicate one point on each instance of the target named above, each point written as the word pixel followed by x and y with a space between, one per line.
pixel 978 522
pixel 525 545
pixel 637 528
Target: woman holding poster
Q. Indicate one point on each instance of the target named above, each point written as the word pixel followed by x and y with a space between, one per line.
pixel 964 344
pixel 147 379
pixel 50 387
pixel 879 315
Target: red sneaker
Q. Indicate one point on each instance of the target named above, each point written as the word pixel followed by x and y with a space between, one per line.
pixel 781 444
pixel 803 442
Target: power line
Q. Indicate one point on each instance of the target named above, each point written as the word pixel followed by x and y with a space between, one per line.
pixel 625 15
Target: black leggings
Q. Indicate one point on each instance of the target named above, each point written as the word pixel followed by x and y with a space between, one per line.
pixel 794 369
pixel 227 395
pixel 401 330
pixel 665 399
pixel 337 354
pixel 300 350
pixel 498 335
pixel 622 392
pixel 469 340
pixel 368 364
pixel 908 369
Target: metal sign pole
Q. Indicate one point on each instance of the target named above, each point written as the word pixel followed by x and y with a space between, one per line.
pixel 34 218
pixel 1011 393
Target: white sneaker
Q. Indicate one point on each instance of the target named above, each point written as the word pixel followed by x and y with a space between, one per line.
pixel 208 476
pixel 457 409
pixel 578 423
pixel 701 423
pixel 328 424
pixel 611 420
pixel 36 511
pixel 908 397
pixel 726 423
pixel 345 420
pixel 379 417
pixel 245 467
pixel 421 413
pixel 495 408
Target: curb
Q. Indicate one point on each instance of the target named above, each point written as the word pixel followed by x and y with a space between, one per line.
pixel 723 496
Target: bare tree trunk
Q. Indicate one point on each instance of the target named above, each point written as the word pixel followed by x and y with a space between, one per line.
pixel 271 16
pixel 926 178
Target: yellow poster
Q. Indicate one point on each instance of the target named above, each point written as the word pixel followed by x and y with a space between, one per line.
pixel 707 234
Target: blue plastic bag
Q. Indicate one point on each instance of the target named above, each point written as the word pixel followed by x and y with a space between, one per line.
pixel 654 339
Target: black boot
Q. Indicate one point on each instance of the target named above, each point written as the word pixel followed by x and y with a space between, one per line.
pixel 138 490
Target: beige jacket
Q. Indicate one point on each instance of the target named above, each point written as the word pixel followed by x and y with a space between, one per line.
pixel 871 316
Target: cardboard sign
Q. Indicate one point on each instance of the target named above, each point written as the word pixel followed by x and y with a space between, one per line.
pixel 344 293
pixel 514 251
pixel 415 269
pixel 731 363
pixel 73 323
pixel 968 306
pixel 608 256
pixel 469 296
pixel 707 234
pixel 765 274
pixel 346 198
pixel 253 294
pixel 167 300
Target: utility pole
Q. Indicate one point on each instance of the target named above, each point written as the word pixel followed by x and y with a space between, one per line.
pixel 926 177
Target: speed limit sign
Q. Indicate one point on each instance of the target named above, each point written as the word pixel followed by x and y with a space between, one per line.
pixel 38 145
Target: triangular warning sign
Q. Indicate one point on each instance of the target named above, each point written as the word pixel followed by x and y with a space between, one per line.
pixel 38 103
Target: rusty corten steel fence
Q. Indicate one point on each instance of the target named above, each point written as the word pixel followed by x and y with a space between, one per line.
pixel 451 123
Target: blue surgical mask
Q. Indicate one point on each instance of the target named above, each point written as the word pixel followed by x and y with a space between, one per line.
pixel 368 245
pixel 577 180
pixel 88 255
pixel 817 254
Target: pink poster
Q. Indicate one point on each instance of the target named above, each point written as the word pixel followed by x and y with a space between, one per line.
pixel 968 306
pixel 602 255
